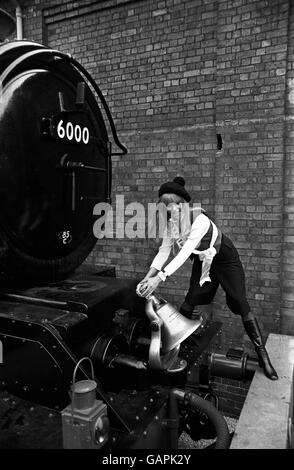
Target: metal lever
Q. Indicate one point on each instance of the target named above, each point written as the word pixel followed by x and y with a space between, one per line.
pixel 61 102
pixel 80 99
pixel 67 164
pixel 73 167
pixel 73 191
pixel 81 166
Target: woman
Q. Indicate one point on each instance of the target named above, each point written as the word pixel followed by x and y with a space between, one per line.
pixel 215 261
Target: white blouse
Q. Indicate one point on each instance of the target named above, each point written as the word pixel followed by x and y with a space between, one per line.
pixel 188 245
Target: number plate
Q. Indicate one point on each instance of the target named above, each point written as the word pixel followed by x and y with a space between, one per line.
pixel 71 127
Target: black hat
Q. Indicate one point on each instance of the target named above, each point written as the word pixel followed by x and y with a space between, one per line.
pixel 177 186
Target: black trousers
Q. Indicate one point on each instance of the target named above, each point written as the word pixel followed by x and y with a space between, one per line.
pixel 226 270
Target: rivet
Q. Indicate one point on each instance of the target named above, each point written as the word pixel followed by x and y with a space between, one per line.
pixel 145 433
pixel 156 418
pixel 113 439
pixel 151 400
pixel 137 418
pixel 145 408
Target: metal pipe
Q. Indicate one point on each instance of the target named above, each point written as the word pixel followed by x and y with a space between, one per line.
pixel 195 402
pixel 19 24
pixel 172 423
pixel 241 369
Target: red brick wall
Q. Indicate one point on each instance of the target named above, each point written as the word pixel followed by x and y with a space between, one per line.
pixel 175 74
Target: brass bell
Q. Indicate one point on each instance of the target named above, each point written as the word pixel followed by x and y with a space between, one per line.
pixel 169 328
pixel 175 327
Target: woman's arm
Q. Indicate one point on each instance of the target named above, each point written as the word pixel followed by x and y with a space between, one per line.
pixel 151 280
pixel 162 255
pixel 152 272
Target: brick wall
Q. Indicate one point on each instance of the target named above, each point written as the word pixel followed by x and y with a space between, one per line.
pixel 287 262
pixel 175 74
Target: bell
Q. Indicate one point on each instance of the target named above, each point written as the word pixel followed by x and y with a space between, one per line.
pixel 7 25
pixel 175 328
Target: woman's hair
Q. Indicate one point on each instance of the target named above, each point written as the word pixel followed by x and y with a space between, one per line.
pixel 171 198
pixel 164 217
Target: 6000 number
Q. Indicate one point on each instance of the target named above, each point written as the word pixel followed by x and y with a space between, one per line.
pixel 73 133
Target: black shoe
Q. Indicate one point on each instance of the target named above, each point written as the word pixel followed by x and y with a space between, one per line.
pixel 253 331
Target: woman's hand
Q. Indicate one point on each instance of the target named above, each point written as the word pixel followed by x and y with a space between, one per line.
pixel 147 286
pixel 139 287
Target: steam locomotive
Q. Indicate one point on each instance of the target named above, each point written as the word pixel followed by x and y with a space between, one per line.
pixel 55 166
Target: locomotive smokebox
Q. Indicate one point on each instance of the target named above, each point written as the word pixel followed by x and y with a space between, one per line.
pixel 55 159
